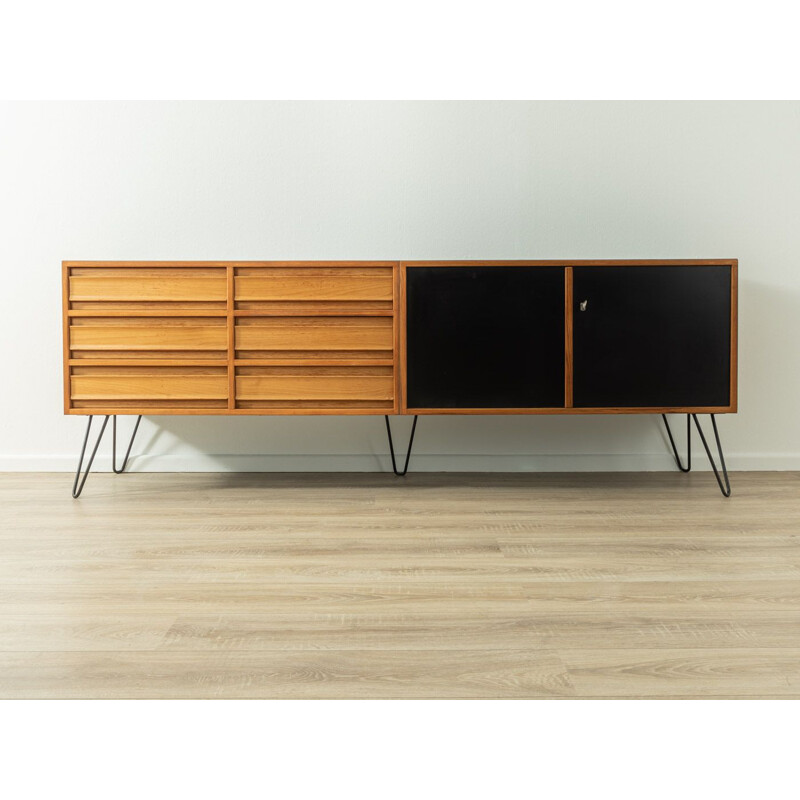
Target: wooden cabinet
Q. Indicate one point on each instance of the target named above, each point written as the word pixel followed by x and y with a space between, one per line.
pixel 569 337
pixel 529 337
pixel 499 337
pixel 230 338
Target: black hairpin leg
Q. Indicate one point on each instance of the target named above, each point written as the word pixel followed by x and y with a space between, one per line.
pixel 391 446
pixel 114 445
pixel 77 488
pixel 688 466
pixel 726 487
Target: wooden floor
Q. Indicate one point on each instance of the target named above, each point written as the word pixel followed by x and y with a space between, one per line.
pixel 356 586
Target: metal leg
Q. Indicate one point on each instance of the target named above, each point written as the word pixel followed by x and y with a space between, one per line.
pixel 76 487
pixel 391 445
pixel 688 466
pixel 726 488
pixel 114 445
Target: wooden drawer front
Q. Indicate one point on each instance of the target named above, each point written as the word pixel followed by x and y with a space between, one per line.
pixel 149 387
pixel 264 337
pixel 178 337
pixel 148 288
pixel 347 387
pixel 294 337
pixel 310 284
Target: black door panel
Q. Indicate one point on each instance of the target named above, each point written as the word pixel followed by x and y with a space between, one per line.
pixel 652 336
pixel 485 337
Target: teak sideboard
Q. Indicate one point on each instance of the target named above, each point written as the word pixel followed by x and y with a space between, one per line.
pixel 386 338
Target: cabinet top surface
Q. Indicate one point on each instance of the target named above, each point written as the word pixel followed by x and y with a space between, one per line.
pixel 699 262
pixel 606 262
pixel 97 263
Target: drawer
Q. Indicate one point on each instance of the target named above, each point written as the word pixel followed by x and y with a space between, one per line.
pixel 346 386
pixel 314 334
pixel 175 336
pixel 181 386
pixel 113 288
pixel 313 284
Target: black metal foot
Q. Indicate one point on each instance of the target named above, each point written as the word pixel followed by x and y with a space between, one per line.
pixel 77 488
pixel 722 480
pixel 391 445
pixel 688 466
pixel 726 487
pixel 114 445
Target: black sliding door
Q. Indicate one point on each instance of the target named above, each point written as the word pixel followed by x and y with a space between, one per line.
pixel 485 337
pixel 651 336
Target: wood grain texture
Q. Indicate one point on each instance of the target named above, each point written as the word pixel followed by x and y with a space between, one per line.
pixel 311 333
pixel 65 351
pixel 623 262
pixel 314 308
pixel 302 287
pixel 139 285
pixel 176 314
pixel 435 586
pixel 575 410
pixel 130 302
pixel 151 386
pixel 402 318
pixel 315 387
pixel 149 333
pixel 397 307
pixel 231 338
pixel 312 265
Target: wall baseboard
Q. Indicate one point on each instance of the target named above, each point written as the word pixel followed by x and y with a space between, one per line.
pixel 424 462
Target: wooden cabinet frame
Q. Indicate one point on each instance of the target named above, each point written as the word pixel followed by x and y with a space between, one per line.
pixel 223 305
pixel 245 338
pixel 568 331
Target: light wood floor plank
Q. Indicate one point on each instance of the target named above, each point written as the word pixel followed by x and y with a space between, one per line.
pixel 328 674
pixel 747 672
pixel 263 585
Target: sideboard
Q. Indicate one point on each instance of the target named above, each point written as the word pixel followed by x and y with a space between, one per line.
pixel 409 338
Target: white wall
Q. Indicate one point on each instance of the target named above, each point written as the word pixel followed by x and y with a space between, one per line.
pixel 400 181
